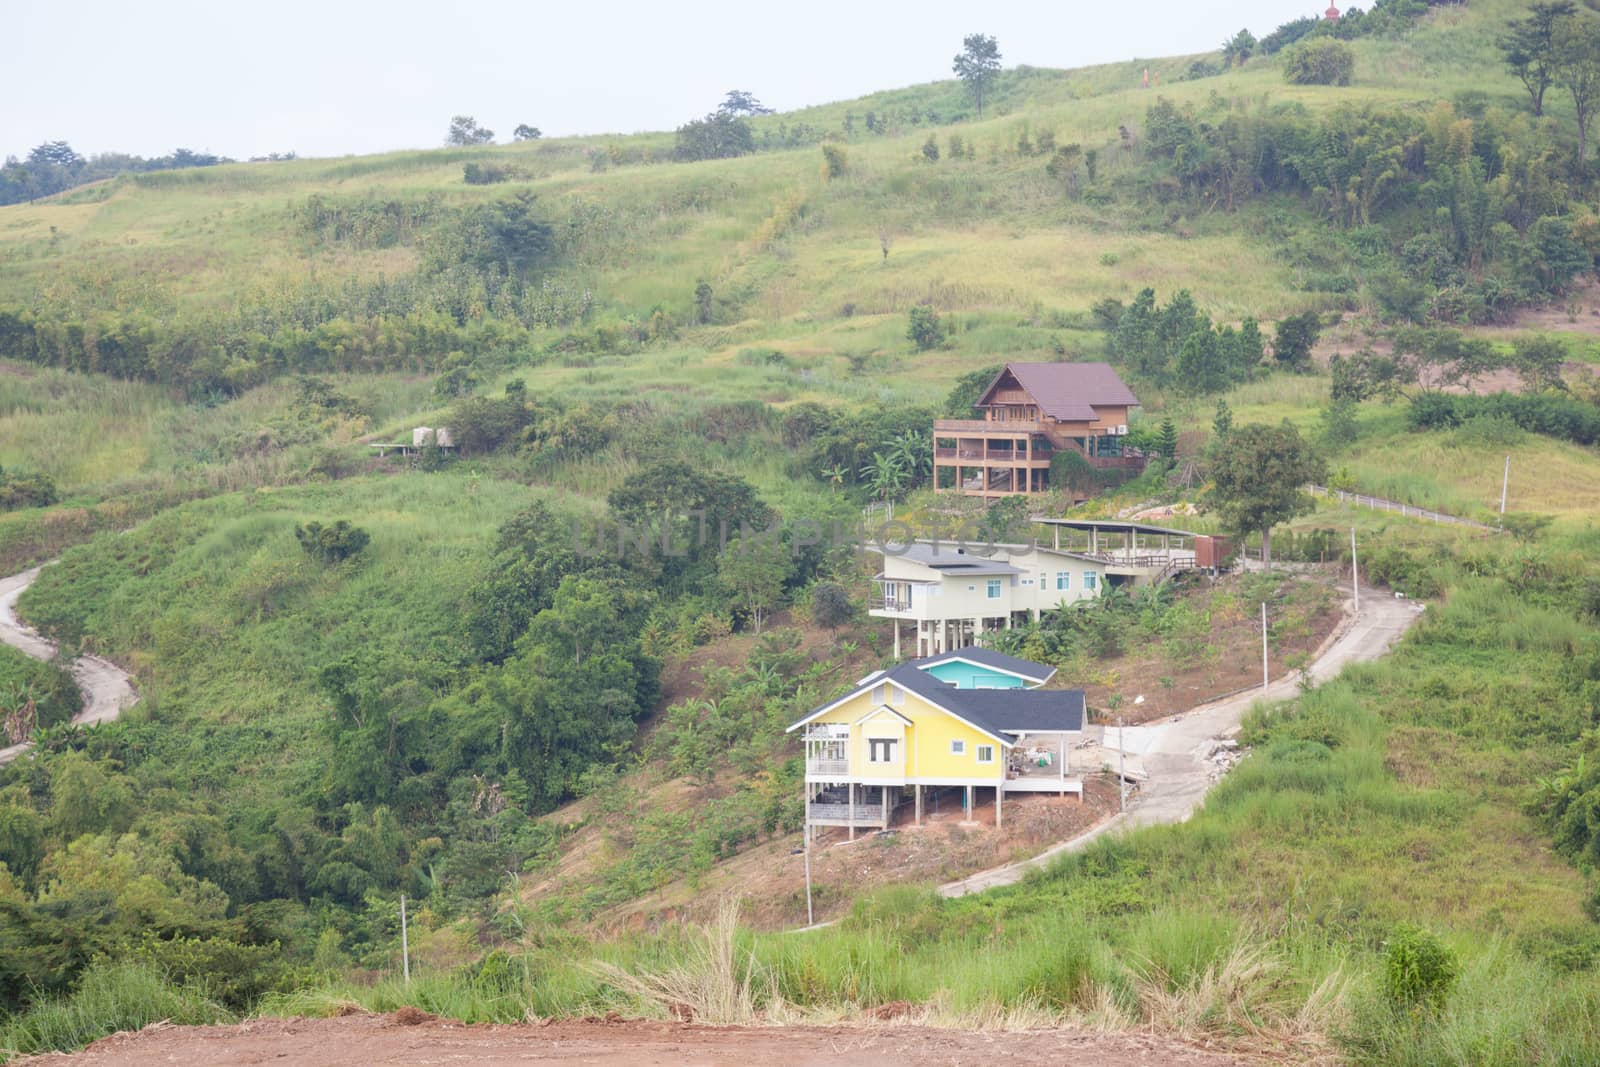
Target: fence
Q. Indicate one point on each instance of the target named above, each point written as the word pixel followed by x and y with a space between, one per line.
pixel 1380 504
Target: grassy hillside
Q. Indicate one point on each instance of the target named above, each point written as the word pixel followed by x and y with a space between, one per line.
pixel 199 360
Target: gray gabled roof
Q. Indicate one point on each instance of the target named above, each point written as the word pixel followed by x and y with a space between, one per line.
pixel 947 558
pixel 984 657
pixel 1000 713
pixel 1068 392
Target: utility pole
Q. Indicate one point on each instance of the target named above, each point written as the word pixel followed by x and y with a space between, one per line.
pixel 405 944
pixel 1355 572
pixel 1505 484
pixel 1264 676
pixel 810 918
pixel 1122 767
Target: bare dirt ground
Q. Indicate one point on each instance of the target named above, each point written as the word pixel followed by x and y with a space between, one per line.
pixel 770 878
pixel 1171 682
pixel 416 1039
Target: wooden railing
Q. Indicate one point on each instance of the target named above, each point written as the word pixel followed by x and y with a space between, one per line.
pixel 995 455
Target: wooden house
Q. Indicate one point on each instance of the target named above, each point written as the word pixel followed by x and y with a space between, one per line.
pixel 1029 414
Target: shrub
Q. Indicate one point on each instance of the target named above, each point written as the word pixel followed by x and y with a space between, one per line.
pixel 487 173
pixel 925 330
pixel 835 160
pixel 1419 970
pixel 25 490
pixel 331 544
pixel 1319 62
pixel 830 605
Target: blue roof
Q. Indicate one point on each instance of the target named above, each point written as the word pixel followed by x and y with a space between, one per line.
pixel 983 657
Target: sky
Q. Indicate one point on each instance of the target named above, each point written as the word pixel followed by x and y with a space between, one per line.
pixel 336 77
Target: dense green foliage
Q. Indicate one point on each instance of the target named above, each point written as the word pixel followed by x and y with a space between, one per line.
pixel 33 695
pixel 1565 417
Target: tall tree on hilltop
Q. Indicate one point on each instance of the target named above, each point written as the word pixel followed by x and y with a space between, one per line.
pixel 464 130
pixel 1258 477
pixel 978 64
pixel 740 102
pixel 1529 47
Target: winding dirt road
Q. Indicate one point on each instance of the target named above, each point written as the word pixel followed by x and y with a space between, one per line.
pixel 107 689
pixel 1175 753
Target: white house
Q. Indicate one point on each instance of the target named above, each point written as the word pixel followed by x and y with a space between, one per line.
pixel 952 594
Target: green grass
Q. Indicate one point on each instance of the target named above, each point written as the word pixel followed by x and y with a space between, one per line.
pixel 111 998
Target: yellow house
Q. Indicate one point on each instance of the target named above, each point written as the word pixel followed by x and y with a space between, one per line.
pixel 920 730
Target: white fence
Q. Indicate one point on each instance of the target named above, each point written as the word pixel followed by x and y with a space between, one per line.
pixel 1380 504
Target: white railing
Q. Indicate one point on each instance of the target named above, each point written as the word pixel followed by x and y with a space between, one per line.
pixel 827 765
pixel 862 813
pixel 1380 504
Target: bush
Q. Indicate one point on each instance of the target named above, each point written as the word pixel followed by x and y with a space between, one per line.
pixel 1319 62
pixel 830 605
pixel 111 998
pixel 331 544
pixel 1419 970
pixel 835 160
pixel 925 330
pixel 33 695
pixel 25 490
pixel 487 173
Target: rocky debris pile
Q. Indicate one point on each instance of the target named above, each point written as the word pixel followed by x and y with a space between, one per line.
pixel 1222 753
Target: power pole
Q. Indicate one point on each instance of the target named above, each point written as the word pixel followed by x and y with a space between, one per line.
pixel 405 944
pixel 1265 679
pixel 810 918
pixel 1505 484
pixel 1122 767
pixel 1355 572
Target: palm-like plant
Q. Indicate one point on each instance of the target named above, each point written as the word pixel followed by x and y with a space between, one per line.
pixel 835 475
pixel 885 475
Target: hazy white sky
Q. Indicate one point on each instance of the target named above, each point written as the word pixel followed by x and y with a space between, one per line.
pixel 329 77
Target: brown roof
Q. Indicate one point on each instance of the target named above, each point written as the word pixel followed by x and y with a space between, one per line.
pixel 1068 392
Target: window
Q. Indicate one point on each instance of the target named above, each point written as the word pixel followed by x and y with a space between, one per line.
pixel 994 589
pixel 1088 581
pixel 897 695
pixel 985 753
pixel 880 749
pixel 1063 580
pixel 878 693
pixel 958 748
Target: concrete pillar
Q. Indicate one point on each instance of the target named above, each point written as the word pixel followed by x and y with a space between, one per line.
pixel 917 791
pixel 968 811
pixel 896 639
pixel 850 816
pixel 999 795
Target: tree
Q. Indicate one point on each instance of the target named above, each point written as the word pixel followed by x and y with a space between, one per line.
pixel 1258 479
pixel 720 135
pixel 924 329
pixel 331 544
pixel 740 102
pixel 978 64
pixel 1319 61
pixel 930 149
pixel 509 232
pixel 702 302
pixel 1577 70
pixel 1222 423
pixel 524 132
pixel 1530 47
pixel 1539 358
pixel 465 131
pixel 969 389
pixel 1238 48
pixel 753 569
pixel 830 605
pixel 1294 339
pixel 1168 441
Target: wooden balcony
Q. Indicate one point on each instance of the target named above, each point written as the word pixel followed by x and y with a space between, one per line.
pixel 983 427
pixel 1039 457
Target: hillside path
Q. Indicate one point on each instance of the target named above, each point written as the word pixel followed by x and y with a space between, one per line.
pixel 1176 751
pixel 107 689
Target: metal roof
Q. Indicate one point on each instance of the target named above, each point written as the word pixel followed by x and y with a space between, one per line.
pixel 947 558
pixel 1068 392
pixel 1114 525
pixel 984 657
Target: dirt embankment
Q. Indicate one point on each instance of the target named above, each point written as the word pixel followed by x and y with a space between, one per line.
pixel 416 1040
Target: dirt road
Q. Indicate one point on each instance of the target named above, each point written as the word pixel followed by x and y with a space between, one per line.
pixel 1174 752
pixel 107 689
pixel 369 1039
